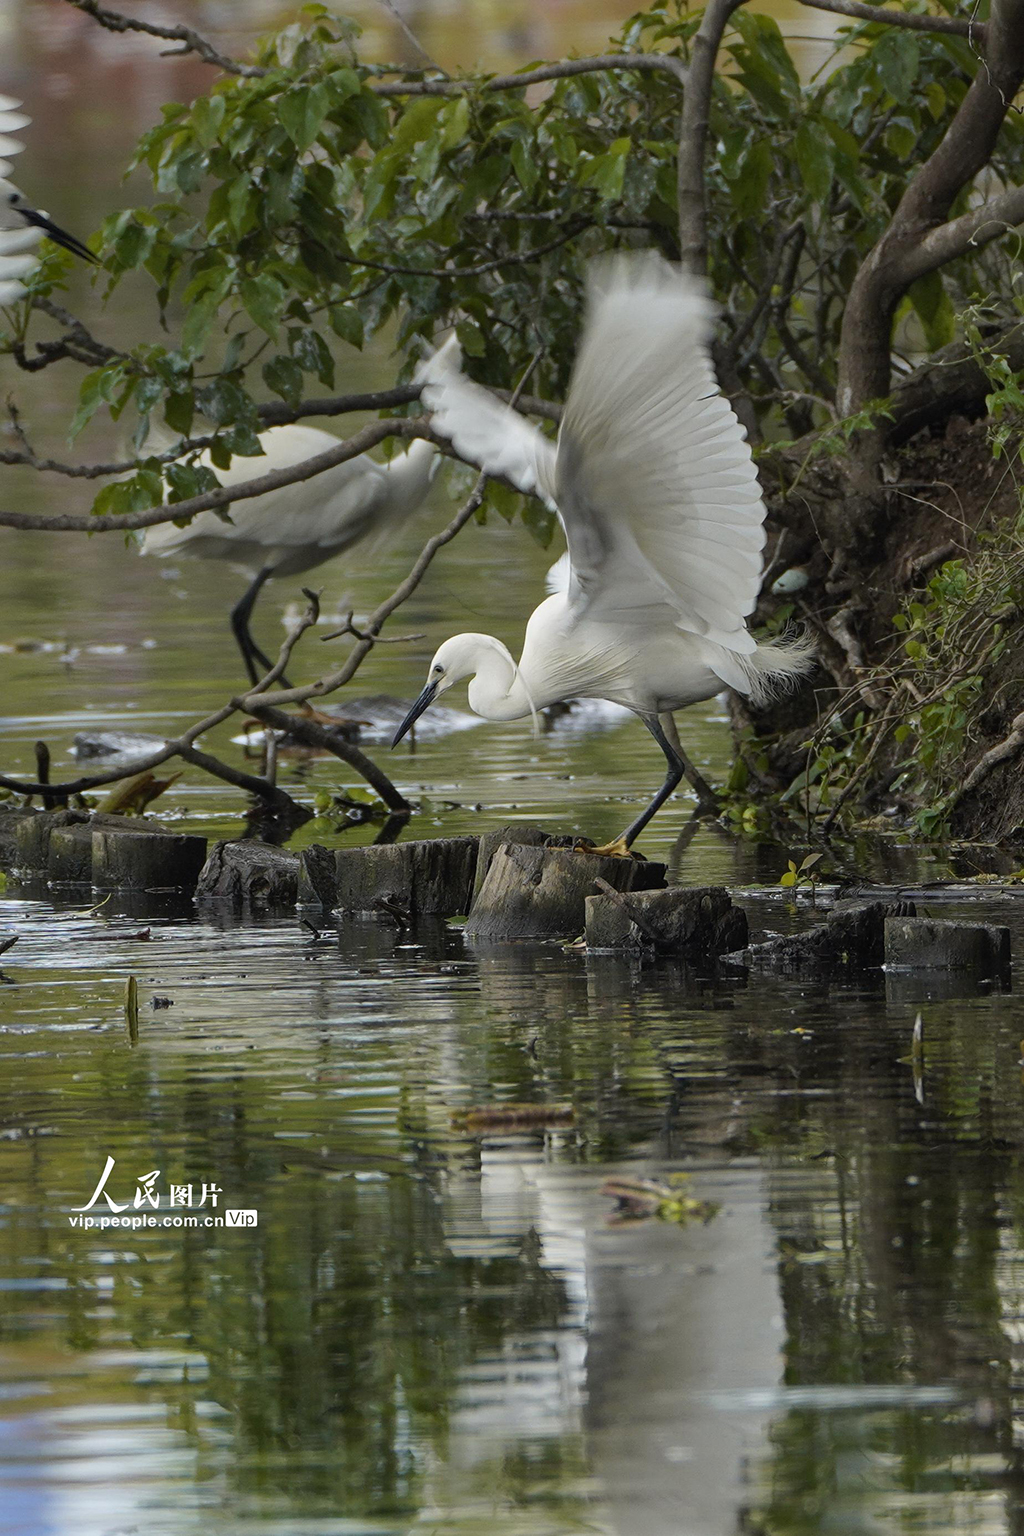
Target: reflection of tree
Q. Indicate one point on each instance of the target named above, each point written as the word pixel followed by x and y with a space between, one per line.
pixel 898 1262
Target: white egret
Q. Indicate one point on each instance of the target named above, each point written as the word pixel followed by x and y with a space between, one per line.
pixel 658 496
pixel 285 532
pixel 22 226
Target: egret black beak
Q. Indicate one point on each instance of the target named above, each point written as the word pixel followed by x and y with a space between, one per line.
pixel 56 234
pixel 424 701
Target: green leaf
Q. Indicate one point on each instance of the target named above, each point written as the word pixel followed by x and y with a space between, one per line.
pixel 187 480
pixel 605 172
pixel 207 116
pixel 264 299
pixel 934 309
pixel 179 410
pixel 750 189
pixel 456 122
pixel 417 122
pixel 347 322
pixel 284 376
pixel 302 112
pixel 814 157
pixel 897 58
pixel 471 339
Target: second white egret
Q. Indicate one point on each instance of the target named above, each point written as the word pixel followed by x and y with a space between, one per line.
pixel 657 493
pixel 285 532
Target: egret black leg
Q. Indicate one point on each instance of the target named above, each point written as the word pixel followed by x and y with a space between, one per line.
pixel 241 613
pixel 679 766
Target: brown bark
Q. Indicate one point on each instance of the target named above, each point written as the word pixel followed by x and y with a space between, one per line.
pixel 918 239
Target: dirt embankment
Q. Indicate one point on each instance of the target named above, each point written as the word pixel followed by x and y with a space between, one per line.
pixel 920 629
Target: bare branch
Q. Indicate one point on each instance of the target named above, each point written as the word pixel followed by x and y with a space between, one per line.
pixel 914 20
pixel 665 62
pixel 310 733
pixel 377 619
pixel 78 343
pixel 404 26
pixel 191 41
pixel 693 132
pixel 222 496
pixel 512 259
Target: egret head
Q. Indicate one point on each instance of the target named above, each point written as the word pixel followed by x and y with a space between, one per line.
pixel 15 211
pixel 457 658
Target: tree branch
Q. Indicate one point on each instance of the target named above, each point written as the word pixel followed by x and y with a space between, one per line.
pixel 191 41
pixel 665 62
pixel 377 619
pixel 975 228
pixel 958 26
pixel 222 496
pixel 965 149
pixel 693 132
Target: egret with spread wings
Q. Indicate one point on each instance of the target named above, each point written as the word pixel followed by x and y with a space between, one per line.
pixel 22 226
pixel 658 496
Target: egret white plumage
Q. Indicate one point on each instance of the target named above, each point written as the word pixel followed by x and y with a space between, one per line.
pixel 22 226
pixel 657 493
pixel 285 532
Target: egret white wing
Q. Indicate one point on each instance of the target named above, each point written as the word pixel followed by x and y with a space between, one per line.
pixel 482 430
pixel 655 482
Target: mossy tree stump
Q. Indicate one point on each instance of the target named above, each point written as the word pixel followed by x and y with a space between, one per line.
pixel 540 893
pixel 249 876
pixel 433 877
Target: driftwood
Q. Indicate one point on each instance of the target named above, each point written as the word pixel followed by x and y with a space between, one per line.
pixel 249 876
pixel 407 879
pixel 540 893
pixel 852 937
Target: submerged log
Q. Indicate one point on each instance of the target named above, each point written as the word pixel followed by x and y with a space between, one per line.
pixel 318 877
pixel 945 945
pixel 852 937
pixel 407 879
pixel 699 923
pixel 249 876
pixel 155 861
pixel 540 893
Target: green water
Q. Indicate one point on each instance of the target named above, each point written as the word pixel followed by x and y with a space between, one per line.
pixel 429 1331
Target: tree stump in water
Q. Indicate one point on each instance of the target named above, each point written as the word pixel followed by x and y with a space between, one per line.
pixel 32 836
pixel 11 818
pixel 540 893
pixel 407 879
pixel 149 861
pixel 699 923
pixel 943 944
pixel 69 854
pixel 249 876
pixel 318 877
pixel 523 833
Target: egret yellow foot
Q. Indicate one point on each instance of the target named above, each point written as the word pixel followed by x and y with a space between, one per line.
pixel 617 849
